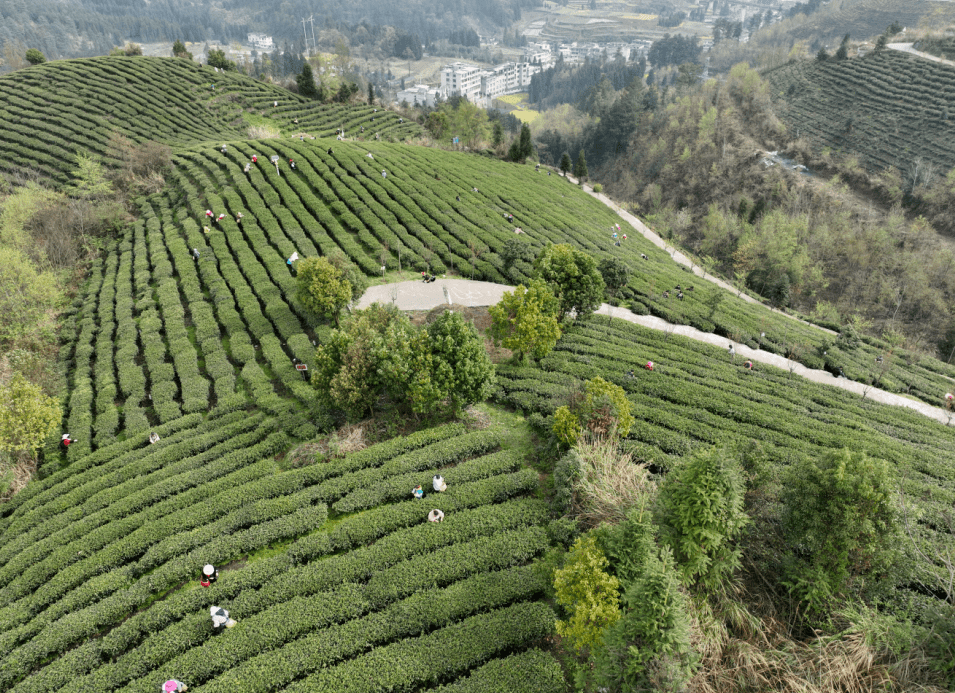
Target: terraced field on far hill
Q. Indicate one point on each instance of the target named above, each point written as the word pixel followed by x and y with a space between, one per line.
pixel 887 108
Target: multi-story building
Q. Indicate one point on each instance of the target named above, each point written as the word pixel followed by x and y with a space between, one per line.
pixel 481 86
pixel 418 95
pixel 461 79
pixel 262 42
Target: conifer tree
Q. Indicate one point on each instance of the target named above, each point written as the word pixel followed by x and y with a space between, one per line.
pixel 306 82
pixel 565 163
pixel 580 168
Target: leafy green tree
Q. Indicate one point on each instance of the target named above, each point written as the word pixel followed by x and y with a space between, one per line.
pixel 525 320
pixel 615 275
pixel 497 136
pixel 34 56
pixel 603 409
pixel 565 163
pixel 90 177
pixel 823 55
pixel 648 648
pixel 462 369
pixel 588 593
pixel 580 168
pixel 27 416
pixel 179 50
pixel 371 94
pixel 840 518
pixel 514 153
pixel 306 82
pixel 881 42
pixel 348 373
pixel 526 146
pixel 572 276
pixel 843 52
pixel 217 59
pixel 321 288
pixel 350 272
pixel 516 249
pixel 701 503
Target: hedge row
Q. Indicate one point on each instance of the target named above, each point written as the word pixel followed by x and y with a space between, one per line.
pixel 532 671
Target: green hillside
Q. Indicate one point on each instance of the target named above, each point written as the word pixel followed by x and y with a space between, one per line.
pixel 888 108
pixel 51 110
pixel 335 577
pixel 868 18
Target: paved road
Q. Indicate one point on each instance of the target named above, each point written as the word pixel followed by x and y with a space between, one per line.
pixel 907 48
pixel 416 295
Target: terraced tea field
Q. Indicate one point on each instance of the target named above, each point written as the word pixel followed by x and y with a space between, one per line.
pixel 697 396
pixel 888 108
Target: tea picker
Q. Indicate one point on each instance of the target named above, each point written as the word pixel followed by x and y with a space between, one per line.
pixel 438 483
pixel 174 686
pixel 435 516
pixel 65 440
pixel 417 491
pixel 209 575
pixel 220 619
pixel 153 438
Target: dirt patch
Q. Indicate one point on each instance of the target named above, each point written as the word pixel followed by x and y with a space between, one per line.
pixel 347 438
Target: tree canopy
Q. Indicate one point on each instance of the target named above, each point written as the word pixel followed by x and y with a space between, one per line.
pixel 525 320
pixel 573 278
pixel 321 288
pixel 27 416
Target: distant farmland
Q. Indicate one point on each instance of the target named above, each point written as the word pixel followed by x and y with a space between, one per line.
pixel 887 108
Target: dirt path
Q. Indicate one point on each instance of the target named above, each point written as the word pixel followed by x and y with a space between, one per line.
pixel 416 295
pixel 908 48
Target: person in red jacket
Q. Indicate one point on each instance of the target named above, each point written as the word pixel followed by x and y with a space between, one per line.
pixel 66 440
pixel 649 365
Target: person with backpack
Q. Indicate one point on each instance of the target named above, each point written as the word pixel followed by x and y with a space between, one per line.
pixel 220 619
pixel 209 575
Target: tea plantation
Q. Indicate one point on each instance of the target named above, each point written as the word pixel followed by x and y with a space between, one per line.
pixel 189 327
pixel 887 108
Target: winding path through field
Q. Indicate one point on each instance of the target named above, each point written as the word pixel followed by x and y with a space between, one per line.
pixel 909 48
pixel 416 295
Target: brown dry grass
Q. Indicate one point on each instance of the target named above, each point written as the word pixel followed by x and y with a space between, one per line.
pixel 610 483
pixel 22 467
pixel 344 440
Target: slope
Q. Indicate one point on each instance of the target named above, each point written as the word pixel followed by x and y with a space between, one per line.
pixel 887 108
pixel 49 111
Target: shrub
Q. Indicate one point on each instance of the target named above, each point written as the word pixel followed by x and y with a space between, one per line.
pixel 608 483
pixel 598 188
pixel 602 410
pixel 839 517
pixel 701 503
pixel 588 593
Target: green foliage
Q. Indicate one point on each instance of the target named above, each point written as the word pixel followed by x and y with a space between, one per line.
pixel 598 188
pixel 26 296
pixel 371 94
pixel 525 146
pixel 27 416
pixel 572 276
pixel 34 56
pixel 565 163
pixel 516 250
pixel 217 58
pixel 629 545
pixel 306 82
pixel 533 671
pixel 602 410
pixel 463 371
pixel 580 167
pixel 840 519
pixel 701 502
pixel 321 289
pixel 615 274
pixel 525 320
pixel 648 648
pixel 91 179
pixel 588 593
pixel 179 50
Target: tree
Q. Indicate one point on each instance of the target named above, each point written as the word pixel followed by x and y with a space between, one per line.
pixel 843 52
pixel 602 410
pixel 526 147
pixel 615 275
pixel 27 416
pixel 701 508
pixel 34 56
pixel 648 648
pixel 462 369
pixel 497 137
pixel 179 50
pixel 588 592
pixel 91 181
pixel 306 82
pixel 881 42
pixel 515 250
pixel 321 288
pixel 565 163
pixel 350 272
pixel 840 519
pixel 822 56
pixel 371 94
pixel 217 59
pixel 572 276
pixel 580 167
pixel 525 320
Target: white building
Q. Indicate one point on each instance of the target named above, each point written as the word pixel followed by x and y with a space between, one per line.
pixel 483 86
pixel 419 95
pixel 262 42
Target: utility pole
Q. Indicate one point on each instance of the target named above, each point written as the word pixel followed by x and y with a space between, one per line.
pixel 305 35
pixel 312 22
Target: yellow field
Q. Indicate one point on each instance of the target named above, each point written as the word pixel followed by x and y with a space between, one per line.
pixel 513 99
pixel 526 115
pixel 640 17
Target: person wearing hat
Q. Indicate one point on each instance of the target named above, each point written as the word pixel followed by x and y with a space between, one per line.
pixel 220 619
pixel 949 398
pixel 153 438
pixel 649 365
pixel 417 491
pixel 209 575
pixel 749 365
pixel 173 686
pixel 435 516
pixel 438 483
pixel 65 441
